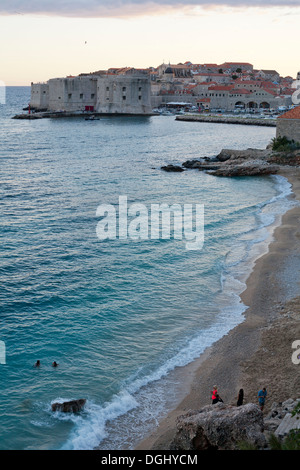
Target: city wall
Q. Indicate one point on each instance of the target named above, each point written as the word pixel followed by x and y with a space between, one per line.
pixel 289 128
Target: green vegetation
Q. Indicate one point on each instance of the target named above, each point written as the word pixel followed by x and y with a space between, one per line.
pixel 291 441
pixel 296 411
pixel 282 144
pixel 244 445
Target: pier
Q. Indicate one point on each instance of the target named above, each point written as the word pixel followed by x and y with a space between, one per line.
pixel 225 119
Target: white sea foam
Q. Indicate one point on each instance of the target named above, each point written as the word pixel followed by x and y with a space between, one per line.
pixel 97 423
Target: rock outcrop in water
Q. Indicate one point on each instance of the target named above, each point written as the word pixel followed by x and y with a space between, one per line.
pixel 73 406
pixel 173 168
pixel 250 162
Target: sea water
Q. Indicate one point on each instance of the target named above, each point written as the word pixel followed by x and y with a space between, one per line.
pixel 119 316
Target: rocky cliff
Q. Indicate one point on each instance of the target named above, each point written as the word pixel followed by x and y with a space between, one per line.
pixel 227 427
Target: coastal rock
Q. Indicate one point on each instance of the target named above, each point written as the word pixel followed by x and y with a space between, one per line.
pixel 171 168
pixel 249 162
pixel 224 155
pixel 220 427
pixel 192 164
pixel 248 154
pixel 73 406
pixel 288 424
pixel 205 164
pixel 244 170
pixel 285 158
pixel 280 420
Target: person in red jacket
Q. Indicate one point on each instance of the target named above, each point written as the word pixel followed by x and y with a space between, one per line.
pixel 215 396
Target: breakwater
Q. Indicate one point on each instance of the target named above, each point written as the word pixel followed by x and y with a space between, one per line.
pixel 64 114
pixel 227 119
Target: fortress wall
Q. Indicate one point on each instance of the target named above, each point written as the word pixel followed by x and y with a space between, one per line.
pixel 123 95
pixel 39 98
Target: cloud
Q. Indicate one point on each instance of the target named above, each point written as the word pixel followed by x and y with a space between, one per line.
pixel 119 8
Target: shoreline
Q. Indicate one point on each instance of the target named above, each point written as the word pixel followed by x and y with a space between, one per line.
pixel 258 351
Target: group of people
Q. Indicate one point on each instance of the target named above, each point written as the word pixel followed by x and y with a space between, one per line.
pixel 38 363
pixel 262 394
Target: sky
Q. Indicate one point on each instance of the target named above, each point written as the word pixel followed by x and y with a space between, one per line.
pixel 56 38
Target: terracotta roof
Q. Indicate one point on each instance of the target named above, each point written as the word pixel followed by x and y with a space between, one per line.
pixel 236 63
pixel 288 91
pixel 209 84
pixel 210 74
pixel 221 88
pixel 248 82
pixel 241 91
pixel 268 84
pixel 272 72
pixel 179 66
pixel 268 90
pixel 292 114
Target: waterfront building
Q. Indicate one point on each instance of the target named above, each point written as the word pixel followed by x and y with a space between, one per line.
pixel 103 93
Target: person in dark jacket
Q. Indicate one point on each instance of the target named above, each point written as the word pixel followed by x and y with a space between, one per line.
pixel 240 397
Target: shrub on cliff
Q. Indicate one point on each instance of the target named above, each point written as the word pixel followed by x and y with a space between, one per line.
pixel 283 144
pixel 290 442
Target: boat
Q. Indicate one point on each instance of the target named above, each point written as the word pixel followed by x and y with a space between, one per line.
pixel 92 118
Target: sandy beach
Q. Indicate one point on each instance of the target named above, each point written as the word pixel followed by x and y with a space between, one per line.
pixel 258 352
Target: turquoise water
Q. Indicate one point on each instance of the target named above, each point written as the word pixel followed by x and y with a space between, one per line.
pixel 119 316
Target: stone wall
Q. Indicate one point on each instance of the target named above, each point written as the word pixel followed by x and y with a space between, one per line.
pixel 72 94
pixel 123 95
pixel 39 95
pixel 289 128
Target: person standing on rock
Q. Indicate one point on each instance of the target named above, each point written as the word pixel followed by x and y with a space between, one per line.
pixel 214 396
pixel 240 397
pixel 262 398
